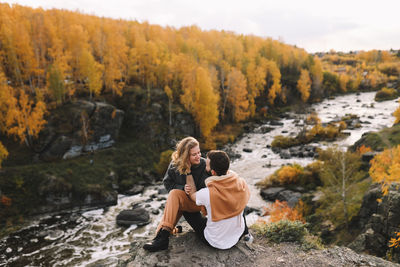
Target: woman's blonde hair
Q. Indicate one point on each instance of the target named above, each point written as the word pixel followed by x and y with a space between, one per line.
pixel 180 157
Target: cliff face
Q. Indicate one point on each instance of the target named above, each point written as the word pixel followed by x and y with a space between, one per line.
pixel 378 222
pixel 187 250
pixel 79 127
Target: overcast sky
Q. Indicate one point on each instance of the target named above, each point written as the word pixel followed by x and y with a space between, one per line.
pixel 315 25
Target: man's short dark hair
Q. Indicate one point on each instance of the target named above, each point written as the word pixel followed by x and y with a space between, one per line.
pixel 219 161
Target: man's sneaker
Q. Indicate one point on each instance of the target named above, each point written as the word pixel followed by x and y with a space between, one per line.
pixel 248 238
pixel 160 242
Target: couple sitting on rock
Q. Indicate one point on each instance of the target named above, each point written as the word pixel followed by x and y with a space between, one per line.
pixel 223 196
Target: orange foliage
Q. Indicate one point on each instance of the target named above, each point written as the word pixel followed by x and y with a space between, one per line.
pixel 313 118
pixel 289 174
pixel 395 242
pixel 27 118
pixel 3 153
pixel 396 114
pixel 275 76
pixel 200 99
pixel 343 80
pixel 237 96
pixel 281 211
pixel 304 85
pixel 385 168
pixel 364 149
pixel 6 201
pixel 342 125
pixel 92 55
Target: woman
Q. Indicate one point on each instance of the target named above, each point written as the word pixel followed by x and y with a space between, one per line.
pixel 187 167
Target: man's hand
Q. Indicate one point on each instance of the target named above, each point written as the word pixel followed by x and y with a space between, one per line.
pixel 189 189
pixel 190 183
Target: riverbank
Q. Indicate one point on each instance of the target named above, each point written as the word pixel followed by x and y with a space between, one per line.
pixel 254 161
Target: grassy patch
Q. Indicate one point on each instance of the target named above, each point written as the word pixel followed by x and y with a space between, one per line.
pixel 386 94
pixel 315 134
pixel 294 175
pixel 288 231
pixel 378 141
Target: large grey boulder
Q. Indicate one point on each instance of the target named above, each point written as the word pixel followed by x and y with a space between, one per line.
pixel 270 194
pixel 281 194
pixel 138 216
pixel 291 197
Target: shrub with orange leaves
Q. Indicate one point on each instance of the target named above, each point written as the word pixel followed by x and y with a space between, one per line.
pixel 395 242
pixel 281 211
pixel 3 153
pixel 342 125
pixel 313 118
pixel 364 149
pixel 396 114
pixel 6 201
pixel 289 174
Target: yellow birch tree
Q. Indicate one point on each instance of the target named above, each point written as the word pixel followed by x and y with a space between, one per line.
pixel 304 85
pixel 385 168
pixel 200 99
pixel 237 96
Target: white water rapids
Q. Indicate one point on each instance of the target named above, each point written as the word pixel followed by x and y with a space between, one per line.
pixel 79 239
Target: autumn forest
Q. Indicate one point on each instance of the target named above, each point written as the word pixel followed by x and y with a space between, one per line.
pixel 49 57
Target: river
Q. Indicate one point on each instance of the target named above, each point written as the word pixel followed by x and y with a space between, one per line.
pixel 84 238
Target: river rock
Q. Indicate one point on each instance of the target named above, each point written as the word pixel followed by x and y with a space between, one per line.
pixel 263 129
pixel 155 211
pixel 285 155
pixel 162 191
pixel 138 216
pixel 136 189
pixel 270 194
pixel 276 150
pixel 276 123
pixel 232 155
pixel 291 197
pixel 368 156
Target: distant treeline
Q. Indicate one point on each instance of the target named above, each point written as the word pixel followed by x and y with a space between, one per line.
pixel 48 57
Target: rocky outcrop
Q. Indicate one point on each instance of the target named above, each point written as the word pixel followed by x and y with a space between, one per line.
pixel 59 195
pixel 153 121
pixel 387 137
pixel 79 127
pixel 186 250
pixel 378 222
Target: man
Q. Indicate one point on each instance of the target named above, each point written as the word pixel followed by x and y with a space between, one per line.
pixel 225 199
pixel 186 168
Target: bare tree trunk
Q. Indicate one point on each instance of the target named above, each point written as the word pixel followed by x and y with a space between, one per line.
pixel 344 195
pixel 170 112
pixel 224 94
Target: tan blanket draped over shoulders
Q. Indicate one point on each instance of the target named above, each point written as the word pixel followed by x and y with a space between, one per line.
pixel 229 195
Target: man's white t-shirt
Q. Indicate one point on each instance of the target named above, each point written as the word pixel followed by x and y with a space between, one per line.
pixel 225 233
